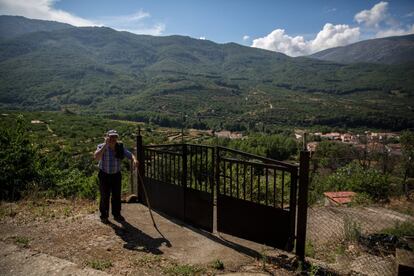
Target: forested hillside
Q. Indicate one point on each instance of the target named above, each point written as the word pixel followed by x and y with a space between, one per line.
pixel 102 71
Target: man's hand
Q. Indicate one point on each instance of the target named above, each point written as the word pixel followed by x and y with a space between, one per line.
pixel 98 153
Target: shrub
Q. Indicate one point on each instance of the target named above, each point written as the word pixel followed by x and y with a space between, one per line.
pixel 75 183
pixel 400 229
pixel 17 160
pixel 353 177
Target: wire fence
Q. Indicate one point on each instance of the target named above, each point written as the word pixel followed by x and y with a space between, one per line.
pixel 361 240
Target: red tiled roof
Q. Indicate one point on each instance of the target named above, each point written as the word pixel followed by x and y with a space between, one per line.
pixel 340 197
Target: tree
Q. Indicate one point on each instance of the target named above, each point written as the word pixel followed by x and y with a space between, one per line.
pixel 17 159
pixel 333 155
pixel 407 145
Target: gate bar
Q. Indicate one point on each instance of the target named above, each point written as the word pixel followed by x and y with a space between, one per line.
pixel 141 166
pixel 302 204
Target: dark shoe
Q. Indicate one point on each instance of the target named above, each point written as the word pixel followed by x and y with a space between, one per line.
pixel 119 218
pixel 105 220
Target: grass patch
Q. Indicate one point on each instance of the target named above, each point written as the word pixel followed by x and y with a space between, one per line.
pixel 148 260
pixel 217 264
pixel 314 270
pixel 22 241
pixel 99 264
pixel 400 229
pixel 6 210
pixel 352 230
pixel 67 211
pixel 264 258
pixel 184 270
pixel 309 249
pixel 340 250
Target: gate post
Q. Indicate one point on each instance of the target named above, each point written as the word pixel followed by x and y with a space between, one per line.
pixel 302 204
pixel 217 172
pixel 292 208
pixel 141 168
pixel 216 189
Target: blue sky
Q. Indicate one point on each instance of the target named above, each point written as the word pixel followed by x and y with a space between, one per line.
pixel 292 27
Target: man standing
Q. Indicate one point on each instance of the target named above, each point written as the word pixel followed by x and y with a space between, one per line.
pixel 109 155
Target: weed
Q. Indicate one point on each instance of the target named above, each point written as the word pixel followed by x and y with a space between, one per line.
pixel 67 211
pixel 7 211
pixel 400 229
pixel 313 270
pixel 309 249
pixel 352 230
pixel 22 241
pixel 99 264
pixel 264 258
pixel 148 260
pixel 340 250
pixel 218 264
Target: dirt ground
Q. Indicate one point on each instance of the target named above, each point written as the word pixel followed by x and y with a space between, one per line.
pixel 66 237
pixel 63 237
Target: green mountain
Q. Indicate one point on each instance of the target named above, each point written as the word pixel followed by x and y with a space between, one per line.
pixel 389 50
pixel 13 26
pixel 119 74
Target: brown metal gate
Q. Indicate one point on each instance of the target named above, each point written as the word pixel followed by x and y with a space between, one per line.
pixel 256 197
pixel 179 181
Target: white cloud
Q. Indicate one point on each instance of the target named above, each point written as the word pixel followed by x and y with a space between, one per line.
pixel 202 38
pixel 374 22
pixel 374 16
pixel 126 19
pixel 280 42
pixel 246 37
pixel 157 29
pixel 395 32
pixel 134 23
pixel 330 36
pixel 41 9
pixel 333 36
pixel 380 22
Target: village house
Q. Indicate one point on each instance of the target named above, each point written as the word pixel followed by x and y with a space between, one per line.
pixel 229 134
pixel 394 149
pixel 332 136
pixel 338 198
pixel 348 138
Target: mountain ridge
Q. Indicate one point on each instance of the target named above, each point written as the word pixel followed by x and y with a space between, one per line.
pixel 13 26
pixel 388 50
